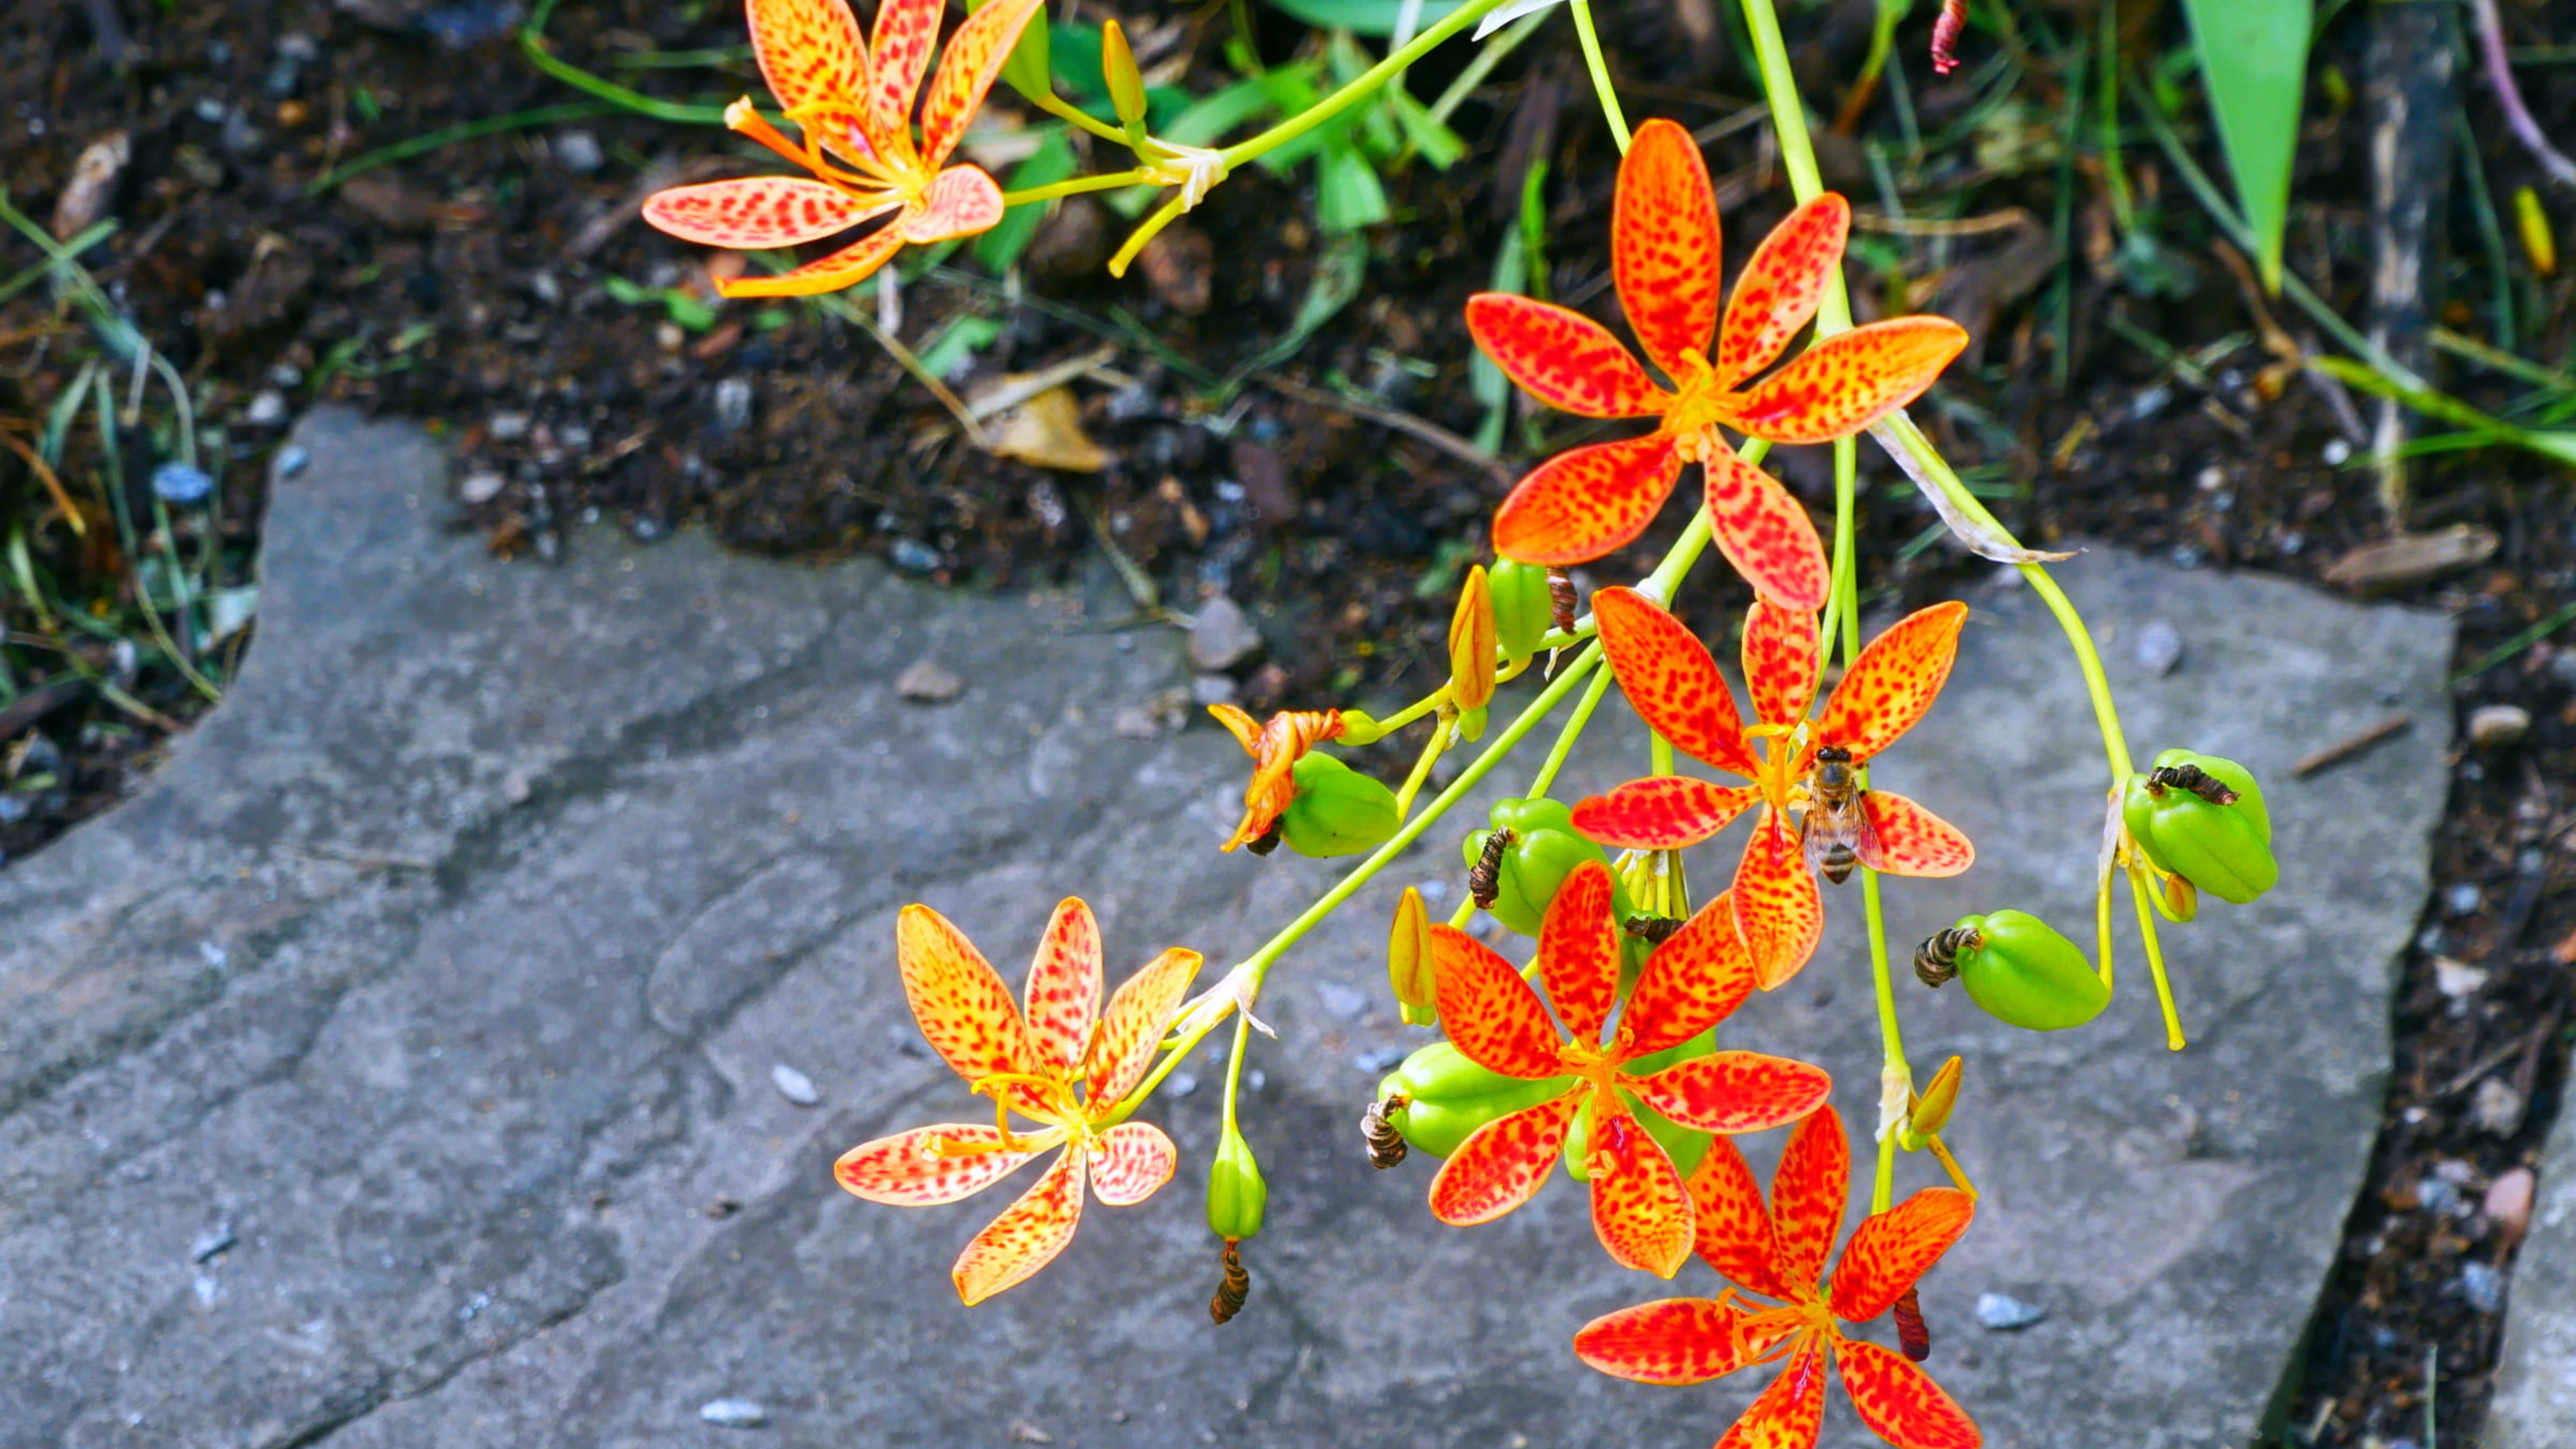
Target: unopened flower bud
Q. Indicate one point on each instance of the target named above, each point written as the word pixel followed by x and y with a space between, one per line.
pixel 1932 1109
pixel 1471 646
pixel 1359 729
pixel 1409 964
pixel 1126 83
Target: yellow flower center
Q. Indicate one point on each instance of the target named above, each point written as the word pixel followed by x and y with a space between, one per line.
pixel 1701 401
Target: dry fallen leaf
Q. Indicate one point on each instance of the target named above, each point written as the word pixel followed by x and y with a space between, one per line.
pixel 1047 431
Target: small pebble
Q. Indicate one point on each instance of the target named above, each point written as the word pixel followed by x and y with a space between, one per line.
pixel 210 1242
pixel 481 487
pixel 507 427
pixel 2159 648
pixel 1180 1084
pixel 579 151
pixel 2336 452
pixel 733 1413
pixel 2483 1286
pixel 268 410
pixel 2463 899
pixel 14 808
pixel 213 955
pixel 913 556
pixel 794 1085
pixel 2508 1201
pixel 2498 1108
pixel 292 461
pixel 2562 666
pixel 1380 1060
pixel 1222 636
pixel 2456 979
pixel 925 682
pixel 733 404
pixel 2002 1312
pixel 1208 689
pixel 2494 726
pixel 208 1288
pixel 2438 1197
pixel 1347 1003
pixel 1256 1079
pixel 178 482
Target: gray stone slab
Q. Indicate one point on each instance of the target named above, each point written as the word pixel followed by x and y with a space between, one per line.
pixel 2535 1394
pixel 446 968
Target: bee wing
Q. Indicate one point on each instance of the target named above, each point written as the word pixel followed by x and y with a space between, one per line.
pixel 1822 829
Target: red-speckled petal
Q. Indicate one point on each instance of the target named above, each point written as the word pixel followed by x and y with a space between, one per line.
pixel 1133 1159
pixel 847 267
pixel 1790 1411
pixel 758 211
pixel 974 57
pixel 1491 1014
pixel 1732 1227
pixel 1848 381
pixel 1579 505
pixel 1765 533
pixel 1640 1209
pixel 898 57
pixel 1890 1250
pixel 1026 1237
pixel 910 1169
pixel 1502 1163
pixel 965 1011
pixel 1779 290
pixel 1807 1193
pixel 1777 905
pixel 816 65
pixel 1564 359
pixel 1672 681
pixel 961 202
pixel 1899 1402
pixel 1734 1091
pixel 1782 660
pixel 1131 1031
pixel 1661 812
pixel 1578 952
pixel 1691 982
pixel 1063 991
pixel 1893 682
pixel 1905 839
pixel 1664 247
pixel 1672 1342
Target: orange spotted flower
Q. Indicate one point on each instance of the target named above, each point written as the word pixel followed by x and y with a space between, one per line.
pixel 1275 748
pixel 1807 765
pixel 1060 1063
pixel 1780 1254
pixel 1664 260
pixel 1640 1206
pixel 853 99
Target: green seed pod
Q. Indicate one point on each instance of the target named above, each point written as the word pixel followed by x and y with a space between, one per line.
pixel 1544 851
pixel 1337 810
pixel 1359 728
pixel 1448 1097
pixel 1236 1194
pixel 2022 971
pixel 1471 724
pixel 1683 1144
pixel 2202 818
pixel 1521 607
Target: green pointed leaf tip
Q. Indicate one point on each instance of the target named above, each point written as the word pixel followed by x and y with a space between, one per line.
pixel 2254 61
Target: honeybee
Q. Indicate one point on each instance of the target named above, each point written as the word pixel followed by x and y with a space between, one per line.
pixel 1385 1145
pixel 1835 826
pixel 1913 1335
pixel 1484 880
pixel 1653 930
pixel 1937 959
pixel 1233 1288
pixel 2192 778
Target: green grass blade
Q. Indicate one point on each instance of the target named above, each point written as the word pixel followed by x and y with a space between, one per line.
pixel 2254 61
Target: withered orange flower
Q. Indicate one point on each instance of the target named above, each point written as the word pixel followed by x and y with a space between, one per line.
pixel 1275 748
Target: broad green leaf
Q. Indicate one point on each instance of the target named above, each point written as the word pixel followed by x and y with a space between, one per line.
pixel 1347 194
pixel 2254 61
pixel 1364 17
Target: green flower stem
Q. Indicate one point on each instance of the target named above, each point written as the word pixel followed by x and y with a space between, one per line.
pixel 1064 110
pixel 1395 64
pixel 1432 749
pixel 1797 148
pixel 2138 889
pixel 532 44
pixel 1601 87
pixel 1106 181
pixel 1234 1066
pixel 1574 725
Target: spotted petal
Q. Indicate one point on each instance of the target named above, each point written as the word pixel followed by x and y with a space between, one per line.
pixel 1890 1250
pixel 1640 1209
pixel 1672 681
pixel 924 1167
pixel 1134 1159
pixel 1782 659
pixel 1899 1402
pixel 1731 1226
pixel 816 65
pixel 1790 1411
pixel 1063 990
pixel 1502 1163
pixel 1132 1029
pixel 961 202
pixel 1661 812
pixel 1664 247
pixel 1807 1193
pixel 847 267
pixel 1563 358
pixel 1691 982
pixel 1674 1341
pixel 1578 951
pixel 1777 293
pixel 1850 380
pixel 758 211
pixel 965 1011
pixel 1579 505
pixel 1764 532
pixel 898 57
pixel 1026 1237
pixel 1491 1014
pixel 1777 905
pixel 974 57
pixel 1734 1091
pixel 1905 839
pixel 1894 681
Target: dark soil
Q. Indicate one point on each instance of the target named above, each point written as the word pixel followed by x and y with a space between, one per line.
pixel 471 286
